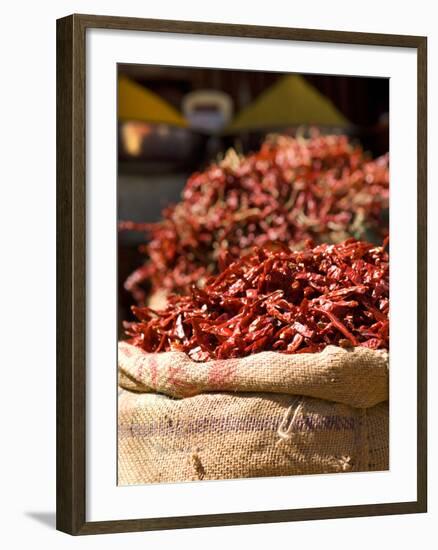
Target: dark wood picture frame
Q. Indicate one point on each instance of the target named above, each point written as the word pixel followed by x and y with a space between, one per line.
pixel 71 269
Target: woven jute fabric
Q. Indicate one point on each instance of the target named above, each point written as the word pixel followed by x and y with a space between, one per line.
pixel 231 436
pixel 356 377
pixel 265 415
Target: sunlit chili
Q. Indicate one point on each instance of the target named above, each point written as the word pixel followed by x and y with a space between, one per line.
pixel 292 189
pixel 275 299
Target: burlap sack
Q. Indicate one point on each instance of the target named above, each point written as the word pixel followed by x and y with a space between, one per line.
pixel 269 414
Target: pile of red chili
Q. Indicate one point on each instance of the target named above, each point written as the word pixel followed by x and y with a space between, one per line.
pixel 292 189
pixel 275 299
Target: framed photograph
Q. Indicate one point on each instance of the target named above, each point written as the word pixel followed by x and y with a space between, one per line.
pixel 241 274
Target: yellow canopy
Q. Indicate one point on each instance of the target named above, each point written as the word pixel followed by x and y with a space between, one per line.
pixel 291 101
pixel 138 103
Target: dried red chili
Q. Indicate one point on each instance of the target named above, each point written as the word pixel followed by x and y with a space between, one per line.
pixel 291 190
pixel 276 299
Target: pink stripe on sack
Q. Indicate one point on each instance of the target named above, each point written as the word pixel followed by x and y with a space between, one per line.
pixel 222 372
pixel 153 368
pixel 126 351
pixel 177 378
